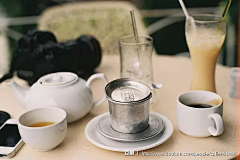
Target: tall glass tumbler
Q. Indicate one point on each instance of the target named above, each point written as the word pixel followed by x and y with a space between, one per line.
pixel 205 36
pixel 136 59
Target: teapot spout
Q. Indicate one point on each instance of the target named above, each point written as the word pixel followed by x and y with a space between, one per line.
pixel 19 92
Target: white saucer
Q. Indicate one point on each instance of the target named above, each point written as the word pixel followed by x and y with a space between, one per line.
pixel 100 141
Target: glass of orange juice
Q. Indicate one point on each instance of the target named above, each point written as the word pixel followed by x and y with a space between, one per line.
pixel 205 35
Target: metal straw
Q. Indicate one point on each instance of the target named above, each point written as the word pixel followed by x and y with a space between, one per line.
pixel 135 33
pixel 134 26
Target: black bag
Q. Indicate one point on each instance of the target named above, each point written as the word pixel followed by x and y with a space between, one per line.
pixel 38 53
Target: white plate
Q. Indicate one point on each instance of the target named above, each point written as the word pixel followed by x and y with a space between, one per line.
pixel 102 142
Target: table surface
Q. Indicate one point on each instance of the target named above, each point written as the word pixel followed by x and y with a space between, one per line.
pixel 175 74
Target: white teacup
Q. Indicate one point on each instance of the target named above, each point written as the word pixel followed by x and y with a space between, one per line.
pixel 43 138
pixel 200 122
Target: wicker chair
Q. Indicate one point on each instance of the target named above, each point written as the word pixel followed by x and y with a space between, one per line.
pixel 107 21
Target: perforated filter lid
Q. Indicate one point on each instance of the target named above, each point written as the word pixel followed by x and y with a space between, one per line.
pixel 127 90
pixel 59 78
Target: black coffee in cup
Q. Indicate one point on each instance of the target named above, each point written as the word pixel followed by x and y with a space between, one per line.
pixel 199 113
pixel 200 105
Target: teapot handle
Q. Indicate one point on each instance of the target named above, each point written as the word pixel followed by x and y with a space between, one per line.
pixel 89 81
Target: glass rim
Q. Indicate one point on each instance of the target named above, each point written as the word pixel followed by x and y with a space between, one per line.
pixel 208 15
pixel 134 44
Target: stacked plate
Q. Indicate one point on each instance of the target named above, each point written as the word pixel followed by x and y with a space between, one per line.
pixel 100 133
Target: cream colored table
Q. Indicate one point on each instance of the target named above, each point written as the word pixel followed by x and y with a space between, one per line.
pixel 175 74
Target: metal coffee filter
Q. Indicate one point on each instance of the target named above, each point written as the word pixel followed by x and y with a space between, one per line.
pixel 127 90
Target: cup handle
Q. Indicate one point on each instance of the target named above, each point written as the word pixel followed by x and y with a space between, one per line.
pixel 89 81
pixel 219 125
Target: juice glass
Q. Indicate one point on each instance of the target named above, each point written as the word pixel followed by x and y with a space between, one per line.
pixel 205 34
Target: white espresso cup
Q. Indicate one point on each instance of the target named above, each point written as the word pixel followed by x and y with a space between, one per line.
pixel 200 122
pixel 44 138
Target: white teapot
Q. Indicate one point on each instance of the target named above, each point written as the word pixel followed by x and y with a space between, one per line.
pixel 64 90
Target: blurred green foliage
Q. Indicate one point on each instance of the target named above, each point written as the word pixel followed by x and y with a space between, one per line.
pixel 22 8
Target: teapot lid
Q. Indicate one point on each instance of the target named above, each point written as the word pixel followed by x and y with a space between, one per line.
pixel 56 79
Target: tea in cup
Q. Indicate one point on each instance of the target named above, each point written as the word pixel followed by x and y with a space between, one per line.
pixel 199 113
pixel 44 128
pixel 41 124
